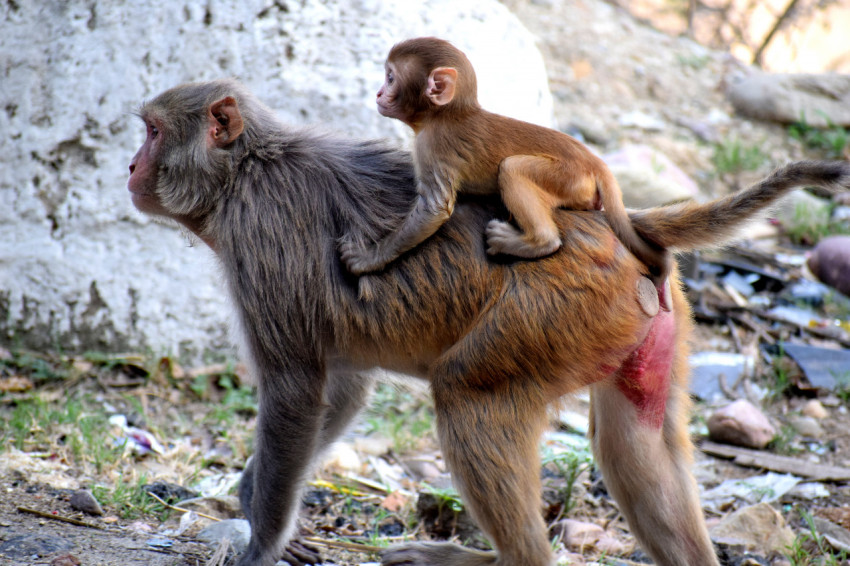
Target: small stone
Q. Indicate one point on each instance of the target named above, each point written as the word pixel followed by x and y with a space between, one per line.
pixel 815 410
pixel 806 426
pixel 830 262
pixel 65 560
pixel 83 500
pixel 422 468
pixel 611 546
pixel 577 535
pixel 741 424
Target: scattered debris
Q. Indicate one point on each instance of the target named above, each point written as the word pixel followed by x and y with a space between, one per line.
pixel 134 439
pixel 837 537
pixel 777 463
pixel 825 368
pixel 757 489
pixel 233 532
pixel 718 375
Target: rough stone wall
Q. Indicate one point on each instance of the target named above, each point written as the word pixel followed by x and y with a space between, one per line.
pixel 80 269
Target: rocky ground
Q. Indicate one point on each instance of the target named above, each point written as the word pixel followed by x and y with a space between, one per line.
pixel 627 90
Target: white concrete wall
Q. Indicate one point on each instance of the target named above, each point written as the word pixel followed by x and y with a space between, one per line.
pixel 79 267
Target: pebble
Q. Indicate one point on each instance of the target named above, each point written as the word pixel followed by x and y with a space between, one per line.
pixel 806 426
pixel 741 424
pixel 577 535
pixel 83 500
pixel 830 262
pixel 815 410
pixel 65 560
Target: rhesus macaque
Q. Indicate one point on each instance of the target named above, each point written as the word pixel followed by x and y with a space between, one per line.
pixel 497 342
pixel 430 85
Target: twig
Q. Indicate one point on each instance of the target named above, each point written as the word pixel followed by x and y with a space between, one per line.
pixel 59 518
pixel 183 510
pixel 757 58
pixel 724 387
pixel 343 544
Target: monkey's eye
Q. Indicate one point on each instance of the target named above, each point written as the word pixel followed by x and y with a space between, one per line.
pixel 390 78
pixel 154 132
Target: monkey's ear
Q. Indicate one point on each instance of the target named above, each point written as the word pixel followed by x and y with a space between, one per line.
pixel 441 85
pixel 225 122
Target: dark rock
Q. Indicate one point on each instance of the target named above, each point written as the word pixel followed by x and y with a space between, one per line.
pixel 830 262
pixel 34 545
pixel 83 500
pixel 170 492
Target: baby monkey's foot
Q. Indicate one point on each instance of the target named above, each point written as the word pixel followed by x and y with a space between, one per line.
pixel 503 238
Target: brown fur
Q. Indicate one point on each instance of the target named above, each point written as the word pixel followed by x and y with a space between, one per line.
pixel 497 341
pixel 461 147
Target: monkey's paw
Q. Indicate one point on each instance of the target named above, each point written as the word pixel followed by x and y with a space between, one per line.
pixel 360 259
pixel 502 237
pixel 435 554
pixel 297 554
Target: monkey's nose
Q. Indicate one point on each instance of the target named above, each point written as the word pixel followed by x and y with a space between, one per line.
pixel 132 168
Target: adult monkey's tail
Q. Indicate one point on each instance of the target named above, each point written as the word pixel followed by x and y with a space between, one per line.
pixel 689 226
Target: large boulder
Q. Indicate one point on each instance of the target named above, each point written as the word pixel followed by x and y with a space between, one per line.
pixel 821 100
pixel 79 267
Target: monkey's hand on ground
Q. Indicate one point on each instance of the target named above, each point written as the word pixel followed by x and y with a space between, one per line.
pixel 297 553
pixel 360 258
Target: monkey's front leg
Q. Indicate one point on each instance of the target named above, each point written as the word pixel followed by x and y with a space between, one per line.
pixel 289 425
pixel 433 206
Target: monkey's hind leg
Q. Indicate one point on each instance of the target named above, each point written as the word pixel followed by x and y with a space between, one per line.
pixel 640 441
pixel 490 441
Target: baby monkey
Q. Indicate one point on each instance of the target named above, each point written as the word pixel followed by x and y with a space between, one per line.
pixel 430 85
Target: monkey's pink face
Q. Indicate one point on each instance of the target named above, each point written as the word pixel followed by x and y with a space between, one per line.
pixel 143 170
pixel 388 101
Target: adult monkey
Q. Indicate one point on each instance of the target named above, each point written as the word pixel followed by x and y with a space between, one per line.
pixel 498 342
